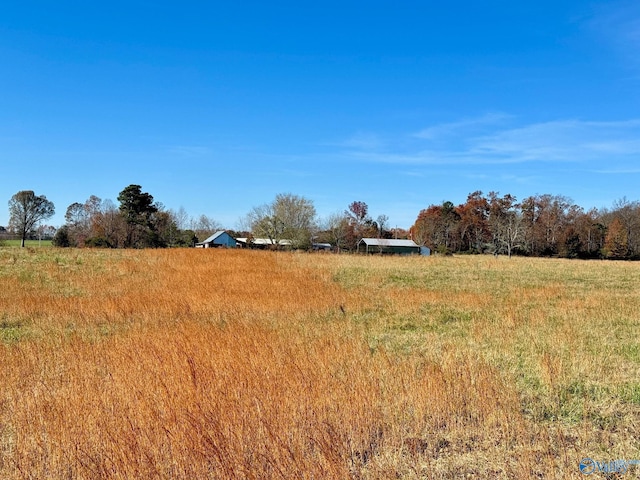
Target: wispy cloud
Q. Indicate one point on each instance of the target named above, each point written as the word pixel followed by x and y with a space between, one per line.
pixel 617 171
pixel 560 141
pixel 468 125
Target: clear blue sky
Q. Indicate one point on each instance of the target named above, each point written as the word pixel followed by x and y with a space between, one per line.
pixel 218 106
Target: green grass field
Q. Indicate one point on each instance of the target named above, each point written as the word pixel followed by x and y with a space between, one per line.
pixel 27 243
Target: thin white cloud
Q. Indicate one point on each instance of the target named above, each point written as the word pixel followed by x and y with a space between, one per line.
pixel 618 171
pixel 466 125
pixel 565 141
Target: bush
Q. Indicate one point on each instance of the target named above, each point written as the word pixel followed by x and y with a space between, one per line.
pixel 62 238
pixel 98 242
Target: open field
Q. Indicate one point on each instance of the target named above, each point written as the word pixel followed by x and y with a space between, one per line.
pixel 27 243
pixel 242 364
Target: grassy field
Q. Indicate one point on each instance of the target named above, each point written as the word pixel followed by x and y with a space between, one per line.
pixel 240 364
pixel 27 243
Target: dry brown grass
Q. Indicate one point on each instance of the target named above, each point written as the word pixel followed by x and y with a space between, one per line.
pixel 237 364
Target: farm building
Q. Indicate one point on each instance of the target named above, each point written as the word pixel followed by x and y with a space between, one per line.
pixel 264 243
pixel 389 246
pixel 218 239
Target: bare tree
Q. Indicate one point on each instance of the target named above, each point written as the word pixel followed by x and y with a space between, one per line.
pixel 264 223
pixel 26 210
pixel 629 215
pixel 78 224
pixel 289 216
pixel 181 218
pixel 336 229
pixel 112 224
pixel 506 222
pixel 204 226
pixel 382 222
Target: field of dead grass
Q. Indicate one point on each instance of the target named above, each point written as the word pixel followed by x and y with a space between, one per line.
pixel 251 365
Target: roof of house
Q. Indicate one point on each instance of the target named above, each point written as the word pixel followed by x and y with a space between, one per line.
pixel 213 237
pixel 387 242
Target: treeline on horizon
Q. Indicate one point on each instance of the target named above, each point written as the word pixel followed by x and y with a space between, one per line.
pixel 539 225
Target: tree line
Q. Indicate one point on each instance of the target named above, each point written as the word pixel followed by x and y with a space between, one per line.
pixel 539 225
pixel 141 222
pixel 294 218
pixel 138 222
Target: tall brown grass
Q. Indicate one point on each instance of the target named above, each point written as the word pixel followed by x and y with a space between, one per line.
pixel 239 364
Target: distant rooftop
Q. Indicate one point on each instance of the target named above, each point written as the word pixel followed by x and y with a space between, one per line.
pixel 388 242
pixel 213 237
pixel 265 241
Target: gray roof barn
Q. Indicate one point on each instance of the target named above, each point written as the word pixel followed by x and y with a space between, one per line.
pixel 385 245
pixel 218 239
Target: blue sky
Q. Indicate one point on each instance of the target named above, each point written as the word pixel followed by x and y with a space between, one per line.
pixel 218 106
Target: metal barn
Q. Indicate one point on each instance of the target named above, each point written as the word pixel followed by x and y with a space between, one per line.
pixel 388 246
pixel 218 239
